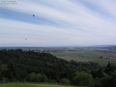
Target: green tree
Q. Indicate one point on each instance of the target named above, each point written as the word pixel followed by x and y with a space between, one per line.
pixel 65 81
pixel 44 78
pixel 38 77
pixel 31 77
pixel 109 68
pixel 82 79
pixel 3 80
pixel 109 80
pixel 97 82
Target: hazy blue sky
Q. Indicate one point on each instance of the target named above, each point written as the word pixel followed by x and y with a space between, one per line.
pixel 58 23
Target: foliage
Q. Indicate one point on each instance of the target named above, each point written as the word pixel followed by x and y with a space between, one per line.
pixel 109 80
pixel 17 65
pixel 82 79
pixel 65 81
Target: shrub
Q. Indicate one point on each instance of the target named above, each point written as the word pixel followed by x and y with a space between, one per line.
pixel 65 81
pixel 82 79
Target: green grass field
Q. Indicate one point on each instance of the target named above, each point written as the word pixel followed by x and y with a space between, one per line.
pixel 33 85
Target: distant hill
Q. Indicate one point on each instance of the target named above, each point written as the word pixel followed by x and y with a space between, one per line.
pixel 18 65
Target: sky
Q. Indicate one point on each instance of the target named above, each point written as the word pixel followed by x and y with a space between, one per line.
pixel 57 23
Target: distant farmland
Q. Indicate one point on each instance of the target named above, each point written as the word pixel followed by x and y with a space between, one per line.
pixel 101 57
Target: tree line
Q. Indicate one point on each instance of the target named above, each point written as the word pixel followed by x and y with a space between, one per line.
pixel 29 66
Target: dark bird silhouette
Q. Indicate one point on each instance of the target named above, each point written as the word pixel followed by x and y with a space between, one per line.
pixel 25 38
pixel 33 15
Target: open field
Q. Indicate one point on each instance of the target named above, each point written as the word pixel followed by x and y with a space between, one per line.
pixel 101 57
pixel 33 85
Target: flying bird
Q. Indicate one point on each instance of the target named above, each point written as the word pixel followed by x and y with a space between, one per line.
pixel 33 15
pixel 25 38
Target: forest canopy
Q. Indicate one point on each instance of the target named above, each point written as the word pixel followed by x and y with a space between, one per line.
pixel 17 65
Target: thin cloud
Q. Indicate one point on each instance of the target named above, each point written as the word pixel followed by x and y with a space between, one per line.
pixel 59 22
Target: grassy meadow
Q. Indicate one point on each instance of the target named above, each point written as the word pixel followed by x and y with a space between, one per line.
pixel 34 85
